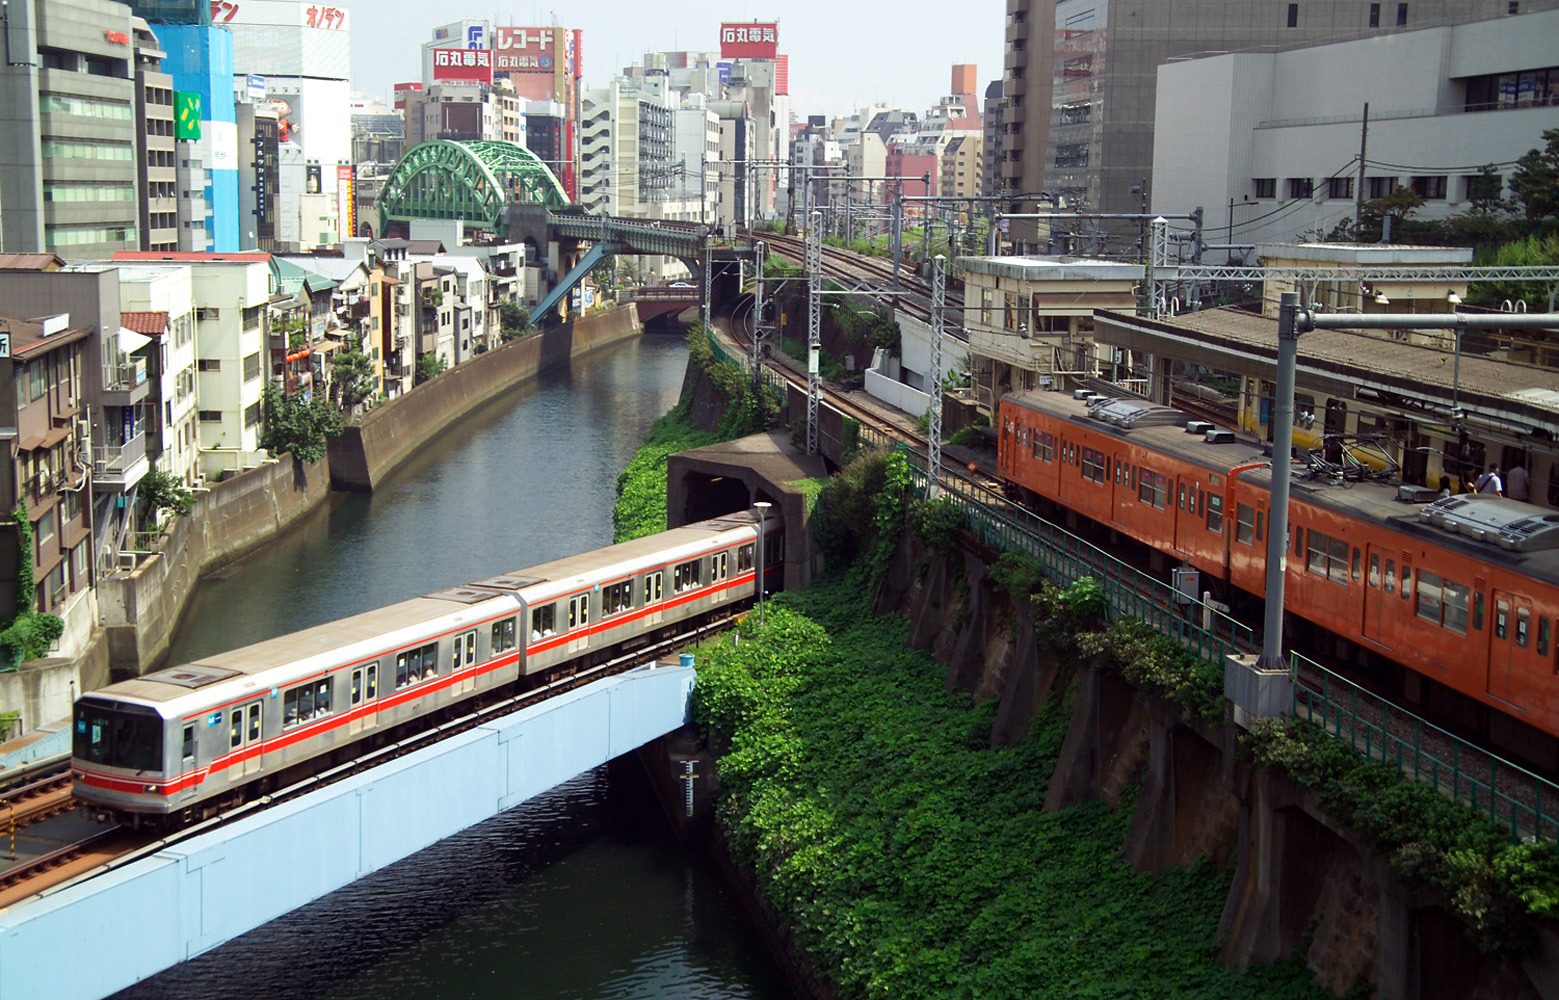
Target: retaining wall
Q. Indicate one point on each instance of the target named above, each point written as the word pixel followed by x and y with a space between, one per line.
pixel 365 453
pixel 140 610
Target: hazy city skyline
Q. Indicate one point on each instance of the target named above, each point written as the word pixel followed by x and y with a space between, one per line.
pixel 842 56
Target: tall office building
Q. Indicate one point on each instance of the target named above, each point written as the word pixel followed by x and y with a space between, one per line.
pixel 69 141
pixel 155 169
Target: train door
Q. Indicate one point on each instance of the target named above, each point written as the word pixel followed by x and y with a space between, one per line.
pixel 1374 597
pixel 1510 640
pixel 717 574
pixel 652 598
pixel 463 657
pixel 579 623
pixel 364 705
pixel 187 758
pixel 245 726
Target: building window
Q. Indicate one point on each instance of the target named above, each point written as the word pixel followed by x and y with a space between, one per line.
pixel 1293 15
pixel 1480 187
pixel 37 380
pixel 211 416
pixel 1339 187
pixel 1379 187
pixel 78 150
pixel 1301 187
pixel 1429 188
pixel 252 415
pixel 45 527
pixel 1401 15
pixel 209 364
pixel 252 367
pixel 1374 15
pixel 1266 187
pixel 1526 89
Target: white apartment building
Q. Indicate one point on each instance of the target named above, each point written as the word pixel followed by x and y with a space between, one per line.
pixel 697 137
pixel 1268 142
pixel 165 295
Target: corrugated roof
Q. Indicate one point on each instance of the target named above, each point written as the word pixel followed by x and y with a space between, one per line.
pixel 148 323
pixel 30 262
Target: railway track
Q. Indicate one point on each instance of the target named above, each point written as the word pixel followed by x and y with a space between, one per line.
pixel 842 264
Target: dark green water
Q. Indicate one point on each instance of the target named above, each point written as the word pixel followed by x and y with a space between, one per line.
pixel 577 894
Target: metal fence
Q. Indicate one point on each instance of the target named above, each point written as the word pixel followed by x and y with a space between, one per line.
pixel 1507 794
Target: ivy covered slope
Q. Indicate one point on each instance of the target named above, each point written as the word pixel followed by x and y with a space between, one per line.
pixel 911 858
pixel 641 487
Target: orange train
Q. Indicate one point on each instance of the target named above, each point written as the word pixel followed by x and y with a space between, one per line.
pixel 1463 591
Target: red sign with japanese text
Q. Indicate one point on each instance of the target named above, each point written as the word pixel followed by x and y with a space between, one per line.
pixel 474 65
pixel 759 40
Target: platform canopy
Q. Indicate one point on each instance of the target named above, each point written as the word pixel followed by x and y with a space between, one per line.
pixel 473 181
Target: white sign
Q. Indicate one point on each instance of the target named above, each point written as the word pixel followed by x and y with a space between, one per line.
pixel 746 35
pixel 461 57
pixel 223 140
pixel 5 345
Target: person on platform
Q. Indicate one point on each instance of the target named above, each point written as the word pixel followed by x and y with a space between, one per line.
pixel 1518 482
pixel 1490 482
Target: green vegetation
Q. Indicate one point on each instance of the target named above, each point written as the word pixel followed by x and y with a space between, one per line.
pixel 429 367
pixel 29 633
pixel 163 491
pixel 352 379
pixel 860 513
pixel 293 424
pixel 912 859
pixel 1496 885
pixel 513 321
pixel 641 487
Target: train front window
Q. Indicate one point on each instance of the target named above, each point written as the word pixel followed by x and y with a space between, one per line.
pixel 115 738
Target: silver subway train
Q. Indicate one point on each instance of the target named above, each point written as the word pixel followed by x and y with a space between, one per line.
pixel 185 739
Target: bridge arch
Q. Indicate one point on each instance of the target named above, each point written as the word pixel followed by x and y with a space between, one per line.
pixel 474 181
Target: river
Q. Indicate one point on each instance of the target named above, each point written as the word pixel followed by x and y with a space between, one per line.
pixel 580 893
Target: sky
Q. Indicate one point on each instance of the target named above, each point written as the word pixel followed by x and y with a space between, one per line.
pixel 844 54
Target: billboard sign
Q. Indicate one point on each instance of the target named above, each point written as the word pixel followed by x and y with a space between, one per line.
pixel 473 65
pixel 186 115
pixel 476 37
pixel 525 50
pixel 266 178
pixel 346 197
pixel 758 40
pixel 255 85
pixel 283 13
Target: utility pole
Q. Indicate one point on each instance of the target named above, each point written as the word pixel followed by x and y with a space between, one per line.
pixel 760 253
pixel 1282 447
pixel 1358 201
pixel 898 237
pixel 934 421
pixel 814 256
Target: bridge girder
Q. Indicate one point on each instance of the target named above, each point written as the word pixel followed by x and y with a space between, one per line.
pixel 474 181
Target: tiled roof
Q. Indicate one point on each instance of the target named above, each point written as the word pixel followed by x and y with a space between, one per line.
pixel 30 262
pixel 148 323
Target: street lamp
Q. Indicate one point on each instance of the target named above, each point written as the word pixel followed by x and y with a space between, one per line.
pixel 762 507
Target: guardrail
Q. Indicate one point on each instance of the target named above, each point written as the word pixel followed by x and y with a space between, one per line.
pixel 1380 730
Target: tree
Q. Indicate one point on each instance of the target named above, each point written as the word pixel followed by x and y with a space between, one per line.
pixel 513 320
pixel 1535 184
pixel 294 424
pixel 1532 251
pixel 352 377
pixel 429 367
pixel 1396 206
pixel 163 491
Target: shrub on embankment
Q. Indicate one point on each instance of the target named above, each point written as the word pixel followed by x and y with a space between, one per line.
pixel 641 487
pixel 912 859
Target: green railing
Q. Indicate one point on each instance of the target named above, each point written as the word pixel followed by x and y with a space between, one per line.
pixel 1507 794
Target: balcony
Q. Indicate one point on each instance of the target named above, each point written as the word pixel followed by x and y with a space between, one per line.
pixel 118 467
pixel 125 383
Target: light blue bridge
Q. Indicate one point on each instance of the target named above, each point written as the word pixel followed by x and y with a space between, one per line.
pixel 105 934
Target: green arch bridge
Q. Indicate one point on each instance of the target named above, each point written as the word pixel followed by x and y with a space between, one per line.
pixel 470 180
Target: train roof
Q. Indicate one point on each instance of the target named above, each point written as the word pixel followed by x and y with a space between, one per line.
pixel 1502 532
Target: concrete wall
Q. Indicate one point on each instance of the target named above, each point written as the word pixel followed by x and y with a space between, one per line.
pixel 141 610
pixel 183 898
pixel 364 454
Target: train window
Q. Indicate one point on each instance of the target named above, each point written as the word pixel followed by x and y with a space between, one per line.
pixel 1153 488
pixel 1523 624
pixel 1244 524
pixel 717 567
pixel 651 587
pixel 618 597
pixel 1045 447
pixel 773 550
pixel 1337 566
pixel 1477 611
pixel 543 621
pixel 1095 467
pixel 685 576
pixel 373 680
pixel 416 664
pixel 254 723
pixel 305 702
pixel 744 558
pixel 235 731
pixel 470 647
pixel 1407 581
pixel 1454 597
pixel 189 731
pixel 1501 618
pixel 1391 576
pixel 1355 565
pixel 503 636
pixel 1215 513
pixel 1182 496
pixel 1429 597
pixel 1299 547
pixel 1374 580
pixel 1542 635
pixel 573 614
pixel 357 687
pixel 1260 532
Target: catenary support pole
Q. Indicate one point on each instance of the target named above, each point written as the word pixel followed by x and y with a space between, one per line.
pixel 934 429
pixel 760 253
pixel 1282 448
pixel 814 255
